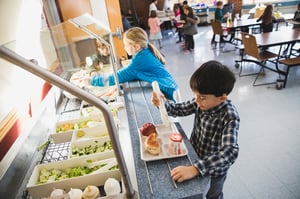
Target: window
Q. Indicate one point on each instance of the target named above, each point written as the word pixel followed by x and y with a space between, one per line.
pixel 208 3
pixel 259 1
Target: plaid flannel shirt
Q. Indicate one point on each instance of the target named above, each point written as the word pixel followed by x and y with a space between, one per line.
pixel 214 135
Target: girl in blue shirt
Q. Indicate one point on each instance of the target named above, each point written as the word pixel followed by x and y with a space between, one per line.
pixel 147 64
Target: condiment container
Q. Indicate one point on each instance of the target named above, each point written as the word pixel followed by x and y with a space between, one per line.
pixel 175 140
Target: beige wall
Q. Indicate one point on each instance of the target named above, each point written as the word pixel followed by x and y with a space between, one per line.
pixel 9 16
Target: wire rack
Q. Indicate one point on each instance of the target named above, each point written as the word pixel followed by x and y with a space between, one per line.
pixel 55 152
pixel 69 109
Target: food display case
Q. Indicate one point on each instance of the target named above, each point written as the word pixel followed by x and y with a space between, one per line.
pixel 77 53
pixel 85 115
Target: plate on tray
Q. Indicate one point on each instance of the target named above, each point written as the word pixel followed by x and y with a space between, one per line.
pixel 163 133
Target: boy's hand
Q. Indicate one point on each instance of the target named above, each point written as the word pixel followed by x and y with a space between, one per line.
pixel 182 173
pixel 155 100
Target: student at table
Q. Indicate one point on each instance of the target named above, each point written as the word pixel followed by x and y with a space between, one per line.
pixel 216 125
pixel 219 15
pixel 267 19
pixel 296 26
pixel 297 16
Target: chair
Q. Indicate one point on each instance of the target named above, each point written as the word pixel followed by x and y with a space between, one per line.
pixel 261 57
pixel 218 30
pixel 288 62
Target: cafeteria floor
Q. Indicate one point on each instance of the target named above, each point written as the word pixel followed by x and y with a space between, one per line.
pixel 268 166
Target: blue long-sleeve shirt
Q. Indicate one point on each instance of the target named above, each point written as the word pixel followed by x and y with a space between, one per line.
pixel 214 135
pixel 146 67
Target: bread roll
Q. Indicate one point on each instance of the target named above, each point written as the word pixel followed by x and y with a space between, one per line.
pixel 90 192
pixel 151 144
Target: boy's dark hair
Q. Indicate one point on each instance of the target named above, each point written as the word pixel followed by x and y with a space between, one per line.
pixel 212 78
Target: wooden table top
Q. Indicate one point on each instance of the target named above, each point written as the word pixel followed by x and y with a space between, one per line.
pixel 242 23
pixel 278 37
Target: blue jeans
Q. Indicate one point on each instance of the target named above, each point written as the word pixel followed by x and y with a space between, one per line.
pixel 216 188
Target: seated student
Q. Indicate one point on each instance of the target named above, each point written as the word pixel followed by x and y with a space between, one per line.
pixel 296 26
pixel 267 19
pixel 297 16
pixel 147 64
pixel 216 124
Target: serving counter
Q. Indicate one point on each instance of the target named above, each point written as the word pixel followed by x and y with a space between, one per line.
pixel 140 179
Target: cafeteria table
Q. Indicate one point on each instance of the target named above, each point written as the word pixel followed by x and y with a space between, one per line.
pixel 278 39
pixel 242 25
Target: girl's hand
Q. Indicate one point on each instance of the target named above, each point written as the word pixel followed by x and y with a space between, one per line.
pixel 182 173
pixel 86 81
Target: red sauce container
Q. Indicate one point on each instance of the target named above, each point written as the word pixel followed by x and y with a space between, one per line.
pixel 175 140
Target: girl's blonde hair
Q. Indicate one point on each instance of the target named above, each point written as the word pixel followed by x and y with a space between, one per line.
pixel 137 35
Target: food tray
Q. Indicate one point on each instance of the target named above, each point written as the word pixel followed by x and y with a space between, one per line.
pixel 163 133
pixel 66 134
pixel 90 147
pixel 90 133
pixel 96 178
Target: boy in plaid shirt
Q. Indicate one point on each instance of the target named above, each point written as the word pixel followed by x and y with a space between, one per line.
pixel 216 124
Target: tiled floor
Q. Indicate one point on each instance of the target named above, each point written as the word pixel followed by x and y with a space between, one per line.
pixel 269 164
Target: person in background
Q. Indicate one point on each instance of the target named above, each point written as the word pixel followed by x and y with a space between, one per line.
pixel 190 28
pixel 178 21
pixel 96 61
pixel 152 6
pixel 147 64
pixel 267 19
pixel 185 3
pixel 125 22
pixel 219 15
pixel 297 16
pixel 154 26
pixel 215 131
pixel 296 26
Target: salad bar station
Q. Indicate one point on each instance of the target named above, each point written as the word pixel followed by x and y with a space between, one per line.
pixel 105 142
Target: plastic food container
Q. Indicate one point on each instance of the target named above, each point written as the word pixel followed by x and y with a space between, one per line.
pixel 175 140
pixel 96 178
